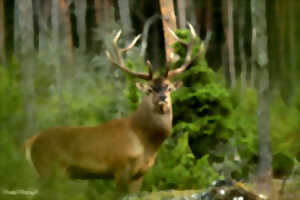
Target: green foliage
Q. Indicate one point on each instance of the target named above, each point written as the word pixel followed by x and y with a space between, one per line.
pixel 285 131
pixel 15 173
pixel 223 123
pixel 285 126
pixel 241 148
pixel 177 168
pixel 10 98
pixel 203 105
pixel 214 117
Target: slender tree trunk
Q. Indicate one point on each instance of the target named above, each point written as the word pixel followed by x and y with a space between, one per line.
pixel 253 60
pixel 293 45
pixel 282 28
pixel 208 21
pixel 125 16
pixel 2 32
pixel 65 31
pixel 16 28
pixel 156 47
pixel 62 41
pixel 61 29
pixel 190 16
pixel 169 22
pixel 147 25
pixel 265 153
pixel 55 23
pixel 209 16
pixel 80 11
pixel 24 41
pixel 44 11
pixel 230 43
pixel 198 10
pixel 225 61
pixel 224 45
pixel 242 45
pixel 258 8
pixel 181 7
pixel 104 14
pixel 105 19
pixel 36 13
pixel 99 11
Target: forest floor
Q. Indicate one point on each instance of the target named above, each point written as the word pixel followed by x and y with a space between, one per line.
pixel 236 191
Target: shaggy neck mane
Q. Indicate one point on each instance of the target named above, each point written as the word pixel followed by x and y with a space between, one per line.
pixel 151 124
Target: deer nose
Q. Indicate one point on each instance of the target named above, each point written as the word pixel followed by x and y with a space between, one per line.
pixel 162 97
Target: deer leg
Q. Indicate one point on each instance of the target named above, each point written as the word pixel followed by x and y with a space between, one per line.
pixel 135 185
pixel 122 178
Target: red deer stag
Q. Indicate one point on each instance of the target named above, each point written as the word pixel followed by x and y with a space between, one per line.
pixel 123 149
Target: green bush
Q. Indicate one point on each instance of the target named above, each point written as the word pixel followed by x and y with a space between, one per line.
pixel 177 168
pixel 202 104
pixel 221 124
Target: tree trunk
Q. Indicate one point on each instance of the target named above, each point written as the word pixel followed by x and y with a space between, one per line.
pixel 55 23
pixel 181 7
pixel 258 8
pixel 65 31
pixel 44 37
pixel 104 14
pixel 243 58
pixel 146 30
pixel 190 16
pixel 198 10
pixel 25 48
pixel 230 43
pixel 61 29
pixel 125 17
pixel 293 46
pixel 209 16
pixel 169 22
pixel 2 32
pixel 62 41
pixel 80 11
pixel 253 59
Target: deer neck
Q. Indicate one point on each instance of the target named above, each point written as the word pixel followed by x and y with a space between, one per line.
pixel 152 126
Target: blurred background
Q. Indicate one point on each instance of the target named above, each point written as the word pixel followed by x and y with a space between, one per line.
pixel 237 115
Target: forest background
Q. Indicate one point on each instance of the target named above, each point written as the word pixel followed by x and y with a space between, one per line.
pixel 240 102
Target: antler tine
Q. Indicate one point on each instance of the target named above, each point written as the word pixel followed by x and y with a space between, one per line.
pixel 121 62
pixel 149 64
pixel 193 32
pixel 188 58
pixel 175 36
pixel 132 43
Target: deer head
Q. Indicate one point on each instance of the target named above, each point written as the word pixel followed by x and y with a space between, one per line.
pixel 159 88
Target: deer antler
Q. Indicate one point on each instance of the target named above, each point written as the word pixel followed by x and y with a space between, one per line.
pixel 188 58
pixel 121 62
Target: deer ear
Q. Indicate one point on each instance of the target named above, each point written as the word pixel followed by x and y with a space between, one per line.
pixel 141 86
pixel 144 87
pixel 176 85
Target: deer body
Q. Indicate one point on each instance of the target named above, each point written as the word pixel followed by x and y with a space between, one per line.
pixel 123 149
pixel 106 150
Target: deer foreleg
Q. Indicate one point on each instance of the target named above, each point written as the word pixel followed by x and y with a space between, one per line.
pixel 135 185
